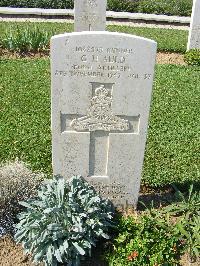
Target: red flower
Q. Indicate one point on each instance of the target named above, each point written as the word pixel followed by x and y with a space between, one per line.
pixel 130 258
pixel 133 255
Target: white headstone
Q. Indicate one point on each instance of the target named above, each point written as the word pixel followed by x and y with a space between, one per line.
pixel 194 33
pixel 101 93
pixel 90 15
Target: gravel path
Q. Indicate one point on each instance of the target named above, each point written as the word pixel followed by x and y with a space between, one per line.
pixel 147 25
pixel 109 22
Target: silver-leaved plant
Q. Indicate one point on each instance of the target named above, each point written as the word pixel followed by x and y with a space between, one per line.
pixel 63 223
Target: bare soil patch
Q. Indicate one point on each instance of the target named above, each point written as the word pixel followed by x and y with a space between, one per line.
pixel 12 254
pixel 170 58
pixel 6 54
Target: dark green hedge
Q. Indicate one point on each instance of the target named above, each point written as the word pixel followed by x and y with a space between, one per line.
pixel 38 3
pixel 168 7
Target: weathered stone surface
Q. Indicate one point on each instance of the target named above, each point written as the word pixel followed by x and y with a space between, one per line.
pixel 101 92
pixel 90 15
pixel 194 33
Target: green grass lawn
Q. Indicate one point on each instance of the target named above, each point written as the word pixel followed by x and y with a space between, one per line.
pixel 172 153
pixel 168 39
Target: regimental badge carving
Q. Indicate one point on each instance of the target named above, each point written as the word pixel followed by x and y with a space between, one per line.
pixel 99 115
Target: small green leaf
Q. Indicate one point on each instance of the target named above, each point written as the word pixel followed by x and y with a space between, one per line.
pixel 27 205
pixel 58 255
pixel 80 249
pixel 105 236
pixel 66 245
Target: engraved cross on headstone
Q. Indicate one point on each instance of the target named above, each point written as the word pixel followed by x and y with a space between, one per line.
pixel 101 122
pixel 90 15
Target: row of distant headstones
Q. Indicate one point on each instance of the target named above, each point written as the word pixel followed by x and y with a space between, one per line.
pixel 91 15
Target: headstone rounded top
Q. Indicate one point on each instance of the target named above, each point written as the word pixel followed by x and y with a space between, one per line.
pixel 102 34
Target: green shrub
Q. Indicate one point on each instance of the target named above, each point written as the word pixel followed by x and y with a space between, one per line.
pixel 167 7
pixel 146 240
pixel 28 40
pixel 188 225
pixel 38 3
pixel 126 5
pixel 170 7
pixel 150 6
pixel 63 222
pixel 159 237
pixel 192 57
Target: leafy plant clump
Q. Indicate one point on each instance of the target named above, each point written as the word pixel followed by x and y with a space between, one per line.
pixel 188 223
pixel 192 57
pixel 63 223
pixel 159 237
pixel 28 40
pixel 146 240
pixel 17 182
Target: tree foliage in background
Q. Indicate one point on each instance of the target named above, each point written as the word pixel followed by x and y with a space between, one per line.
pixel 168 7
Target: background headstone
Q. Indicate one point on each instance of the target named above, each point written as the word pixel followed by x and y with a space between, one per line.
pixel 194 33
pixel 90 15
pixel 101 92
